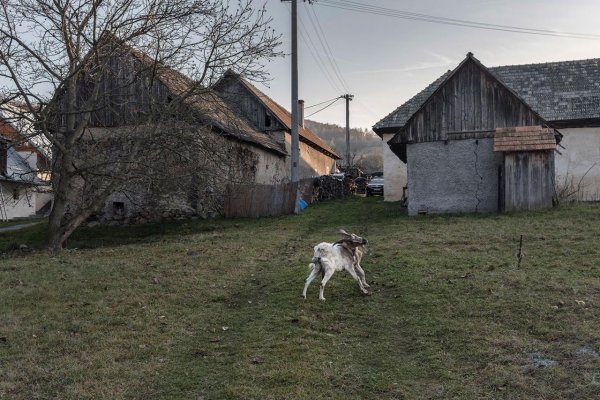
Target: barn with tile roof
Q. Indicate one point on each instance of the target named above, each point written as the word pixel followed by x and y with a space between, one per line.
pixel 564 96
pixel 266 115
pixel 137 94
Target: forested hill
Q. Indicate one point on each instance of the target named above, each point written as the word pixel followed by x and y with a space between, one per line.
pixel 365 145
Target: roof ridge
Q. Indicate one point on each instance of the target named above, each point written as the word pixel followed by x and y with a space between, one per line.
pixel 555 90
pixel 546 63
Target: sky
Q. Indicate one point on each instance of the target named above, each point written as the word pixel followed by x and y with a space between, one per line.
pixel 384 61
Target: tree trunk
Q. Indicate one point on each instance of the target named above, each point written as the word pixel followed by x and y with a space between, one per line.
pixel 55 238
pixel 62 175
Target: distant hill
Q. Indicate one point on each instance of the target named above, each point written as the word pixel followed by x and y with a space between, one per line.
pixel 365 146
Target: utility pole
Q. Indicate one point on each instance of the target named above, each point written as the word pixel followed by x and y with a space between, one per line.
pixel 295 173
pixel 348 97
pixel 295 136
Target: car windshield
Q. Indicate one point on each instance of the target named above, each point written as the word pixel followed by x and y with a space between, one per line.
pixel 377 181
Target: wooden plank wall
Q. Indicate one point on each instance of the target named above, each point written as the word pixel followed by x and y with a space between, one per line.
pixel 248 105
pixel 528 180
pixel 243 201
pixel 471 104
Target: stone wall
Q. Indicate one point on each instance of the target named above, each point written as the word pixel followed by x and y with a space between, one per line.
pixel 453 176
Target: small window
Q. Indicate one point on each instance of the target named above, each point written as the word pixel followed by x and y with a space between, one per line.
pixel 16 194
pixel 118 208
pixel 267 120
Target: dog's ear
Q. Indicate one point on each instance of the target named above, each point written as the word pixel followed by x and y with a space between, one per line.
pixel 343 232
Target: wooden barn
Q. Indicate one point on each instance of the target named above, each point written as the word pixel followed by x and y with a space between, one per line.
pixel 466 105
pixel 447 141
pixel 189 144
pixel 266 115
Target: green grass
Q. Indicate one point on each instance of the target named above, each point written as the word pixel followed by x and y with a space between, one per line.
pixel 20 221
pixel 213 309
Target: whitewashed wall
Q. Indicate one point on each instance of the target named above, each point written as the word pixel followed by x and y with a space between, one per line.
pixel 394 172
pixel 579 164
pixel 271 169
pixel 23 205
pixel 312 162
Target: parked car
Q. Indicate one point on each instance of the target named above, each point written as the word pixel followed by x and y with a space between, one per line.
pixel 339 176
pixel 375 186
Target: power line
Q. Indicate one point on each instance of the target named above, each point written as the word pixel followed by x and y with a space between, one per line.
pixel 394 13
pixel 324 108
pixel 318 104
pixel 334 63
pixel 312 49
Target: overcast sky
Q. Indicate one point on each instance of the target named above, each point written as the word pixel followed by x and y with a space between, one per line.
pixel 385 61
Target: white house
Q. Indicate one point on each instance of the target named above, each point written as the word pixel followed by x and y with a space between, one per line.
pixel 25 161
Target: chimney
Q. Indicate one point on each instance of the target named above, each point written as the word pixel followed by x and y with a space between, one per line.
pixel 301 113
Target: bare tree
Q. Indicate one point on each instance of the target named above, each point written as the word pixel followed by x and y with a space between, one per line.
pixel 65 61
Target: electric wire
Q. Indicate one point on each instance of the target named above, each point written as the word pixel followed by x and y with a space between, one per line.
pixel 324 108
pixel 321 33
pixel 358 4
pixel 312 49
pixel 318 104
pixel 394 13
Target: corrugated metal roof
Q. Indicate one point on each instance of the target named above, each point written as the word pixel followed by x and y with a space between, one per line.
pixel 557 91
pixel 524 138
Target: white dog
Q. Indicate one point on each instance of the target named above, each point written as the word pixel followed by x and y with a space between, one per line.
pixel 345 254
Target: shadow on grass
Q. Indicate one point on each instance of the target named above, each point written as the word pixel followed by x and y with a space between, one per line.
pixel 34 237
pixel 352 216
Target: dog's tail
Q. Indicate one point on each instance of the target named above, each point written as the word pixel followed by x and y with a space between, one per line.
pixel 316 263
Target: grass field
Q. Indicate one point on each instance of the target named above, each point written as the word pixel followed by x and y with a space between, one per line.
pixel 212 309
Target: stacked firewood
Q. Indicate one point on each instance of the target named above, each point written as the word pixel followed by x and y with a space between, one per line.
pixel 328 187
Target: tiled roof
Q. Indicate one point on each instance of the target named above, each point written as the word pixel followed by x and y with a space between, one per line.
pixel 557 91
pixel 210 106
pixel 524 138
pixel 21 121
pixel 402 114
pixel 286 118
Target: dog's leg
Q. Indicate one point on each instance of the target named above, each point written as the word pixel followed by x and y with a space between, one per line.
pixel 328 275
pixel 316 268
pixel 352 272
pixel 361 274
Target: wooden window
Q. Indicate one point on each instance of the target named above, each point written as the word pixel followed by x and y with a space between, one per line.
pixel 16 194
pixel 268 120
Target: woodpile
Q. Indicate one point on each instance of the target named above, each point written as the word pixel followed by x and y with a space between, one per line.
pixel 328 187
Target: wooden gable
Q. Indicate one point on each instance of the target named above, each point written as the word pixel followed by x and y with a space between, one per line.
pixel 247 104
pixel 470 103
